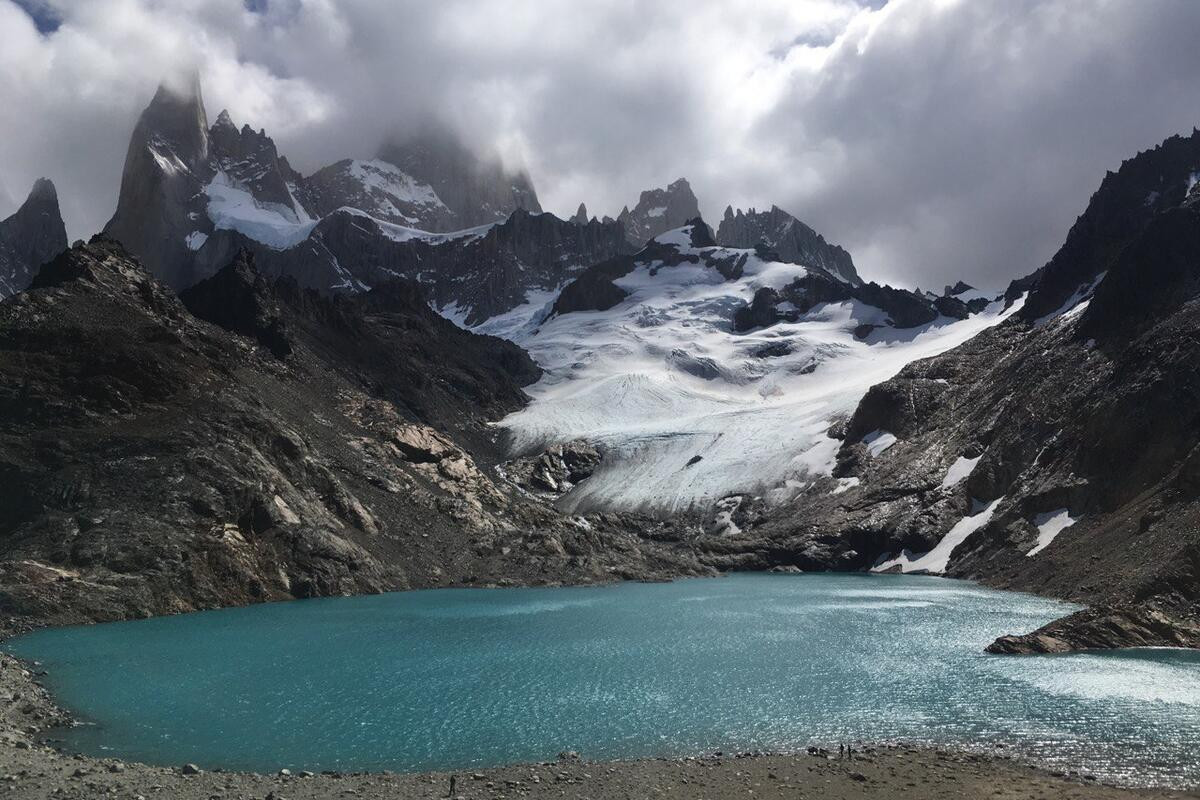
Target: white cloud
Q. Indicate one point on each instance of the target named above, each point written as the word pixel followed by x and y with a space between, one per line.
pixel 933 138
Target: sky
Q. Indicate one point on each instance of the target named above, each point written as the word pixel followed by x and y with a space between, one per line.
pixel 934 139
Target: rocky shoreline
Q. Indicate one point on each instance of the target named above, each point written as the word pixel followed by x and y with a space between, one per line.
pixel 31 768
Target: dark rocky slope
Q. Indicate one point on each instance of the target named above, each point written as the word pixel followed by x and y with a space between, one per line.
pixel 153 462
pixel 33 235
pixel 1092 412
pixel 1127 200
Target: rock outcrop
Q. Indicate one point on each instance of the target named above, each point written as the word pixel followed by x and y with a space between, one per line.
pixel 33 235
pixel 1104 628
pixel 902 308
pixel 789 238
pixel 238 299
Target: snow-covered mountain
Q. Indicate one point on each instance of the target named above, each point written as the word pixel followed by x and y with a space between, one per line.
pixel 649 358
pixel 30 237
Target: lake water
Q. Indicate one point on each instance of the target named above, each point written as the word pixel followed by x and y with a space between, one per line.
pixel 463 677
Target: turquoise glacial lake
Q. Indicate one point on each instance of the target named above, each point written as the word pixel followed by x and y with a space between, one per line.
pixel 456 678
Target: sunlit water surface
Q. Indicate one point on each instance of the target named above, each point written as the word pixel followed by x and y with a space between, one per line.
pixel 461 677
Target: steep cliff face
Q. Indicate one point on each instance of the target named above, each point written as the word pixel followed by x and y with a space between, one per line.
pixel 471 276
pixel 33 235
pixel 658 211
pixel 295 446
pixel 161 207
pixel 789 238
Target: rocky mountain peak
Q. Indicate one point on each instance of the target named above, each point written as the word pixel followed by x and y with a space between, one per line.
pixel 175 122
pixel 33 235
pixel 250 159
pixel 162 185
pixel 43 192
pixel 659 211
pixel 788 238
pixel 224 121
pixel 581 216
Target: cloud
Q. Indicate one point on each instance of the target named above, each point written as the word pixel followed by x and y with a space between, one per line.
pixel 935 139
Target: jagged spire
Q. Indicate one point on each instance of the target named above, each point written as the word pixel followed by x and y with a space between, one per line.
pixel 581 216
pixel 224 120
pixel 43 191
pixel 176 117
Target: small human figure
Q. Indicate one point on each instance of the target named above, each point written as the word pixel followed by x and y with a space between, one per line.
pixel 453 781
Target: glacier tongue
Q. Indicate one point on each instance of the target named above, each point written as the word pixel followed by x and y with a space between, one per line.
pixel 688 411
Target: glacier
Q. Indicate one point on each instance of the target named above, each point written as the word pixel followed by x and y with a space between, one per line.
pixel 686 410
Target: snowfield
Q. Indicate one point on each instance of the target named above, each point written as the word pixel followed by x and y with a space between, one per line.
pixel 686 410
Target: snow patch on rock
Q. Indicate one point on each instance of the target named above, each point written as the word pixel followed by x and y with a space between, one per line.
pixel 937 559
pixel 1050 524
pixel 959 471
pixel 877 441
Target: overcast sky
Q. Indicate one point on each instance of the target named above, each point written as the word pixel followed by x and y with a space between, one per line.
pixel 934 139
